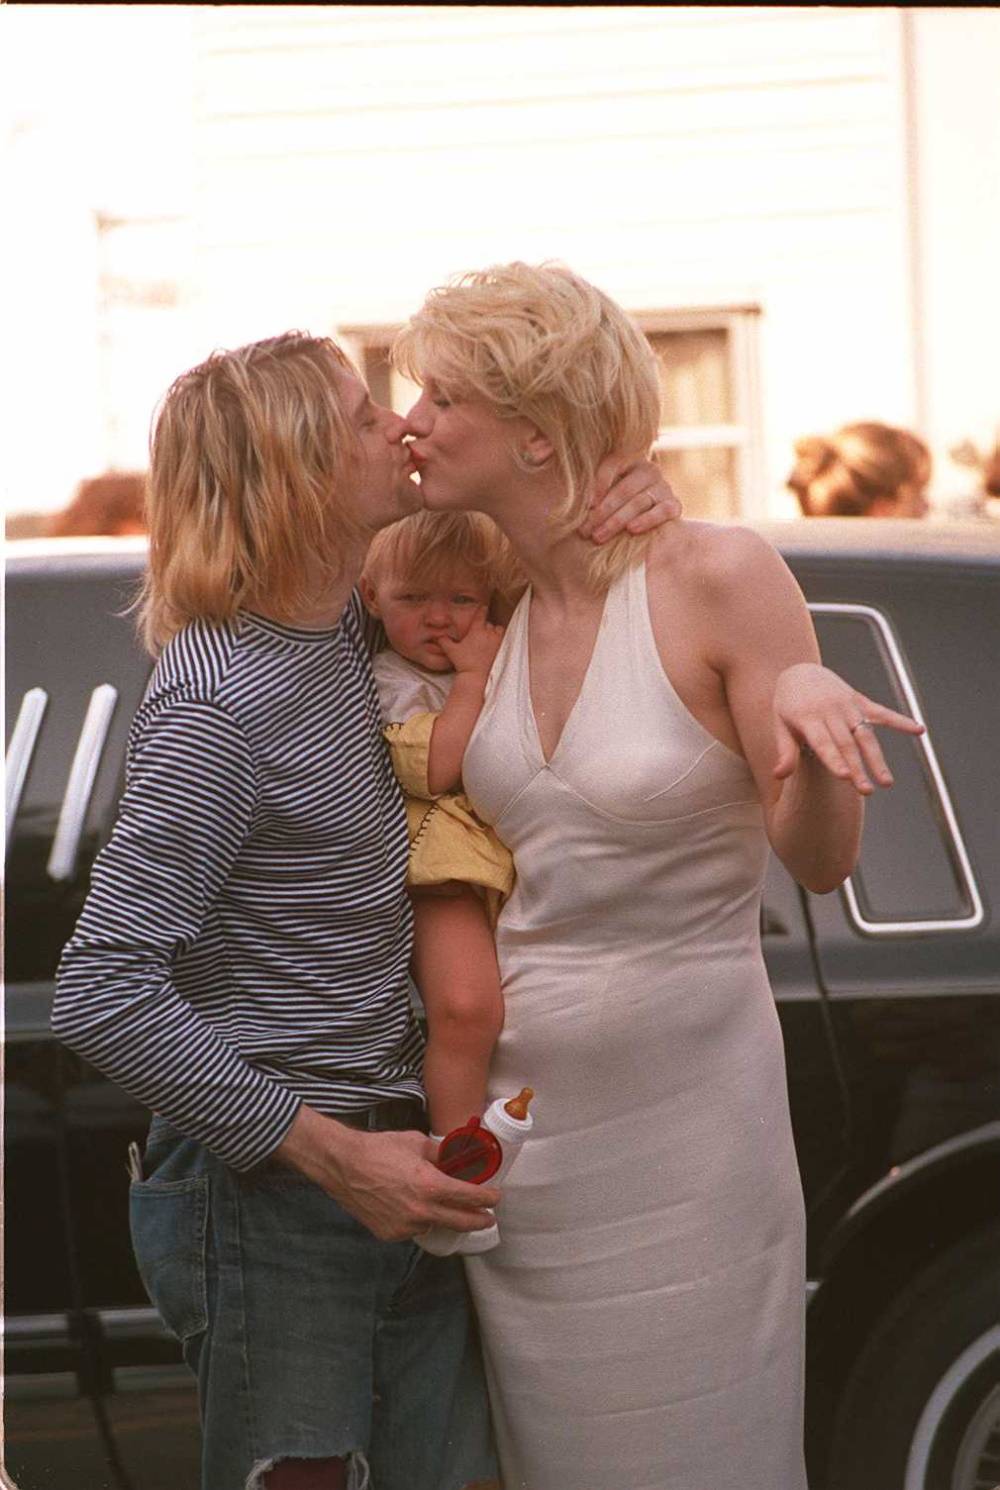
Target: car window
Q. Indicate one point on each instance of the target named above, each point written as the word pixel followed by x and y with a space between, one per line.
pixel 72 648
pixel 913 872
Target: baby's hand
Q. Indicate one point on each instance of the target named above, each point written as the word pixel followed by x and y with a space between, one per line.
pixel 477 650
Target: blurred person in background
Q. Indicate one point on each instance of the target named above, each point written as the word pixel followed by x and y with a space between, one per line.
pixel 991 472
pixel 112 503
pixel 863 470
pixel 984 499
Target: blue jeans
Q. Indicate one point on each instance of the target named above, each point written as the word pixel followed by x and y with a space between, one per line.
pixel 309 1337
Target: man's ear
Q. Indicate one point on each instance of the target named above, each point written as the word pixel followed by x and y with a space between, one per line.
pixel 369 595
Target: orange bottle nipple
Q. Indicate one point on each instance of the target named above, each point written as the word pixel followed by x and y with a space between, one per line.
pixel 517 1107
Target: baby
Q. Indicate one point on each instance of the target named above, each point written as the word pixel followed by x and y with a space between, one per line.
pixel 430 580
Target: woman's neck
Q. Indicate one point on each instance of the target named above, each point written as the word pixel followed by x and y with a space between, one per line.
pixel 556 564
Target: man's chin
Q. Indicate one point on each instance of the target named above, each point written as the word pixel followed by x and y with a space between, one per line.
pixel 411 498
pixel 432 499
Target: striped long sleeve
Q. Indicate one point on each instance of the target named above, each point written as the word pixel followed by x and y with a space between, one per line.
pixel 245 943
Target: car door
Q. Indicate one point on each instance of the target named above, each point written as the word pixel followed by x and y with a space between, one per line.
pixel 816 1089
pixel 909 950
pixel 77 1322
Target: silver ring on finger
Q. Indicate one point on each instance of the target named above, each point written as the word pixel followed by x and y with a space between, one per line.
pixel 861 724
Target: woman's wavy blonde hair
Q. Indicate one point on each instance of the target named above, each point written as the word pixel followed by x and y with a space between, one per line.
pixel 427 547
pixel 250 456
pixel 542 343
pixel 844 474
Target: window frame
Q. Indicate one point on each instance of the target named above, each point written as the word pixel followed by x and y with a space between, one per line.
pixel 744 435
pixel 361 339
pixel 956 843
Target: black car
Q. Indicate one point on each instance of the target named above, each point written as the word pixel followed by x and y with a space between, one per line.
pixel 888 991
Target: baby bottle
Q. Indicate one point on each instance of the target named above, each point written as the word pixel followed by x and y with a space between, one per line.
pixel 484 1149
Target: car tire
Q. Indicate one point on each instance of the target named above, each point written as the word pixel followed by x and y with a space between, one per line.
pixel 921 1410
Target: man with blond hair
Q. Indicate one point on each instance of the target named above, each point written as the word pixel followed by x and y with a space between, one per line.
pixel 241 963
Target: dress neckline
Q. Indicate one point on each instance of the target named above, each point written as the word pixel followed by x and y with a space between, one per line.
pixel 528 706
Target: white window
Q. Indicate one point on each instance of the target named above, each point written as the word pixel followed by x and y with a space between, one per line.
pixel 709 441
pixel 370 347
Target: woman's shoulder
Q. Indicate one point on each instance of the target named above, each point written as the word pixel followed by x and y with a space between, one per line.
pixel 716 555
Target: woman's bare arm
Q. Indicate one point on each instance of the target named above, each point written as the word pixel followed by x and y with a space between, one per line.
pixel 797 722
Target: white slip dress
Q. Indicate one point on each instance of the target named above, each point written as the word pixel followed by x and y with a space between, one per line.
pixel 643 1315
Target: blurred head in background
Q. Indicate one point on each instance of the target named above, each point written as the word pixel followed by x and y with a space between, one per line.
pixel 111 503
pixel 991 471
pixel 863 470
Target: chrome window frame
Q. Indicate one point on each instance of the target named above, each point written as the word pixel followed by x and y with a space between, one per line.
pixel 20 752
pixel 80 785
pixel 923 742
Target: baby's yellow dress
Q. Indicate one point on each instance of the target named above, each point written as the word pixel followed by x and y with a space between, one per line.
pixel 447 840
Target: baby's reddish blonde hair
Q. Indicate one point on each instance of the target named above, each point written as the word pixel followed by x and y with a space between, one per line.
pixel 427 547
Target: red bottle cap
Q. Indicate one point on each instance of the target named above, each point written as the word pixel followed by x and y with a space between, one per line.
pixel 471 1153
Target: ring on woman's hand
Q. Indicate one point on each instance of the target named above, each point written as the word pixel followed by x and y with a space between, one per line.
pixel 861 724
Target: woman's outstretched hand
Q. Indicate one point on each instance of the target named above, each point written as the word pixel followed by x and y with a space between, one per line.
pixel 815 710
pixel 629 496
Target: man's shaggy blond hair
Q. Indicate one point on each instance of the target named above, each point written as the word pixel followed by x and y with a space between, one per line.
pixel 251 457
pixel 540 342
pixel 427 547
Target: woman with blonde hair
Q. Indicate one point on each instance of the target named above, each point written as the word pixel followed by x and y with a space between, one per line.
pixel 863 470
pixel 656 718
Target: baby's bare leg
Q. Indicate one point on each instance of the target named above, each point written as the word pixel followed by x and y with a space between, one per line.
pixel 455 968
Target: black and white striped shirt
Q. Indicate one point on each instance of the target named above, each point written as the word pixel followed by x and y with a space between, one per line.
pixel 246 939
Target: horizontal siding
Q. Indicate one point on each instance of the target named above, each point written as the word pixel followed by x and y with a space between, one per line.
pixel 709 36
pixel 715 122
pixel 692 186
pixel 326 81
pixel 350 157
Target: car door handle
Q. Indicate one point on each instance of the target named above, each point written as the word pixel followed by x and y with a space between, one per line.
pixel 80 786
pixel 24 737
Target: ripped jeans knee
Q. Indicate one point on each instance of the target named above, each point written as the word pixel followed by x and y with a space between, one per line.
pixel 350 1473
pixel 288 1324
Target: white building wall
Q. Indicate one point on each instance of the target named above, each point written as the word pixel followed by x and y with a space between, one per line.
pixel 351 157
pixel 955 66
pixel 323 166
pixel 92 129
